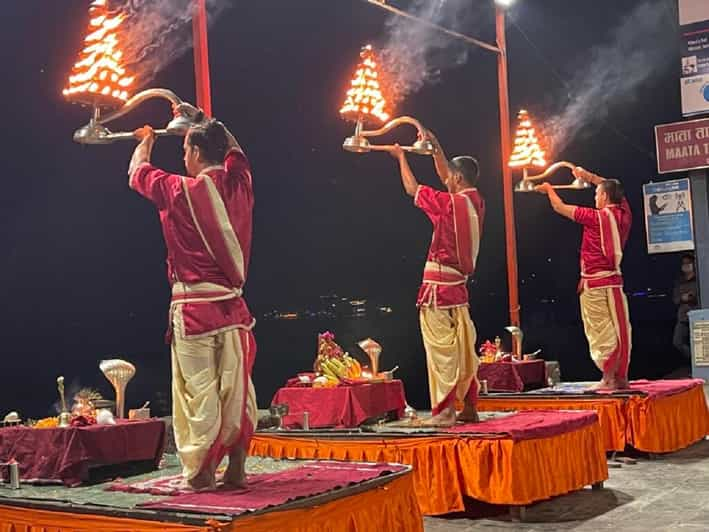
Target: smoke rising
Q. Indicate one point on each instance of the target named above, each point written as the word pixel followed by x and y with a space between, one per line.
pixel 156 32
pixel 414 55
pixel 641 47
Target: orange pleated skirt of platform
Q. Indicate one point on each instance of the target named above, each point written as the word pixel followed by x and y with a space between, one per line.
pixel 668 423
pixel 651 424
pixel 391 507
pixel 446 470
pixel 16 519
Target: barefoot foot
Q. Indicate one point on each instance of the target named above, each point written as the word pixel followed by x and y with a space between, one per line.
pixel 204 481
pixel 469 414
pixel 446 418
pixel 235 474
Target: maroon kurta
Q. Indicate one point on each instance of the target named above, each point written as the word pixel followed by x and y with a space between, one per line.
pixel 197 249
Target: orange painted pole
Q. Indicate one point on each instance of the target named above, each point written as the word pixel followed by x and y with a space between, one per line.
pixel 201 57
pixel 507 185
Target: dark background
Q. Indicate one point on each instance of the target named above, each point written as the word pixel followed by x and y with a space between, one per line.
pixel 83 264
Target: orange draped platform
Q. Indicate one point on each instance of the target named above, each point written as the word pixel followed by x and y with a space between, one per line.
pixel 651 424
pixel 667 424
pixel 391 507
pixel 612 413
pixel 447 469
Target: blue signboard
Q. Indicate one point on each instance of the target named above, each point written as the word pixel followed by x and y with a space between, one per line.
pixel 668 216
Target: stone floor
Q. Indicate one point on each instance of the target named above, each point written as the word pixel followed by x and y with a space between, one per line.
pixel 669 492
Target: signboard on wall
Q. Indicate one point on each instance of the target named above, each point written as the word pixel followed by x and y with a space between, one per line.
pixel 694 52
pixel 668 216
pixel 682 146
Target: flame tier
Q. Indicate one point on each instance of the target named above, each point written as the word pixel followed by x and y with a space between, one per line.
pixel 99 77
pixel 364 98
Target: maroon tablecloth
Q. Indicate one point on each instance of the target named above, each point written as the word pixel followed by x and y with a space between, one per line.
pixel 343 406
pixel 663 388
pixel 530 424
pixel 66 454
pixel 512 376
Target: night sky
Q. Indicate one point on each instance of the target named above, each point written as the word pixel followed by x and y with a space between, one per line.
pixel 83 265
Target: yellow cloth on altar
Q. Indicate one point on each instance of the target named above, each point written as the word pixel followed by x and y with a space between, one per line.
pixel 449 339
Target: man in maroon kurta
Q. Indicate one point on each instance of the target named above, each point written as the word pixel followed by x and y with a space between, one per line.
pixel 448 333
pixel 604 306
pixel 206 220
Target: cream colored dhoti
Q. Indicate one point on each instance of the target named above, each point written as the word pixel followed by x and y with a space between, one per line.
pixel 607 326
pixel 214 402
pixel 449 339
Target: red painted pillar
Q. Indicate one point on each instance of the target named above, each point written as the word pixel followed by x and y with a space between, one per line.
pixel 507 185
pixel 201 57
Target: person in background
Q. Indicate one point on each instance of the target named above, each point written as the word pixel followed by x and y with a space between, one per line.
pixel 685 297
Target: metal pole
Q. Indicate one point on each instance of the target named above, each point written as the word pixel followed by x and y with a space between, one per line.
pixel 505 140
pixel 466 38
pixel 201 57
pixel 505 145
pixel 699 180
pixel 700 213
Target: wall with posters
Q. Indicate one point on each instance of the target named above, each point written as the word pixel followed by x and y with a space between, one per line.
pixel 694 79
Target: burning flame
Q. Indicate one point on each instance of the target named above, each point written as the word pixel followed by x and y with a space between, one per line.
pixel 526 152
pixel 364 98
pixel 98 74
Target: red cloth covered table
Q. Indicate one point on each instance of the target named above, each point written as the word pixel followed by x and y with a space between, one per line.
pixel 529 424
pixel 66 454
pixel 343 406
pixel 512 376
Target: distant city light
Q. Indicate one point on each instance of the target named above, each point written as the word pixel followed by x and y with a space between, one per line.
pixel 331 307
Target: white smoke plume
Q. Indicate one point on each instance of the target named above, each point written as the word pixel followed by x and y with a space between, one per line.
pixel 414 54
pixel 156 32
pixel 641 47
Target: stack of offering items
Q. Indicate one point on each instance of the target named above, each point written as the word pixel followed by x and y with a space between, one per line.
pixel 333 365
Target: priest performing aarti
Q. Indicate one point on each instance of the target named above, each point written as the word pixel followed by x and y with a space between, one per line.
pixel 604 306
pixel 448 332
pixel 457 215
pixel 206 219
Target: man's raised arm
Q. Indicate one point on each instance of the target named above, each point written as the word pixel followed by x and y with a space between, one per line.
pixel 408 179
pixel 443 168
pixel 142 151
pixel 557 204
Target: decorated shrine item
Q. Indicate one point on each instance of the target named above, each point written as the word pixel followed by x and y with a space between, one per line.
pixel 85 403
pixel 118 372
pixel 64 416
pixel 332 364
pixel 373 350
